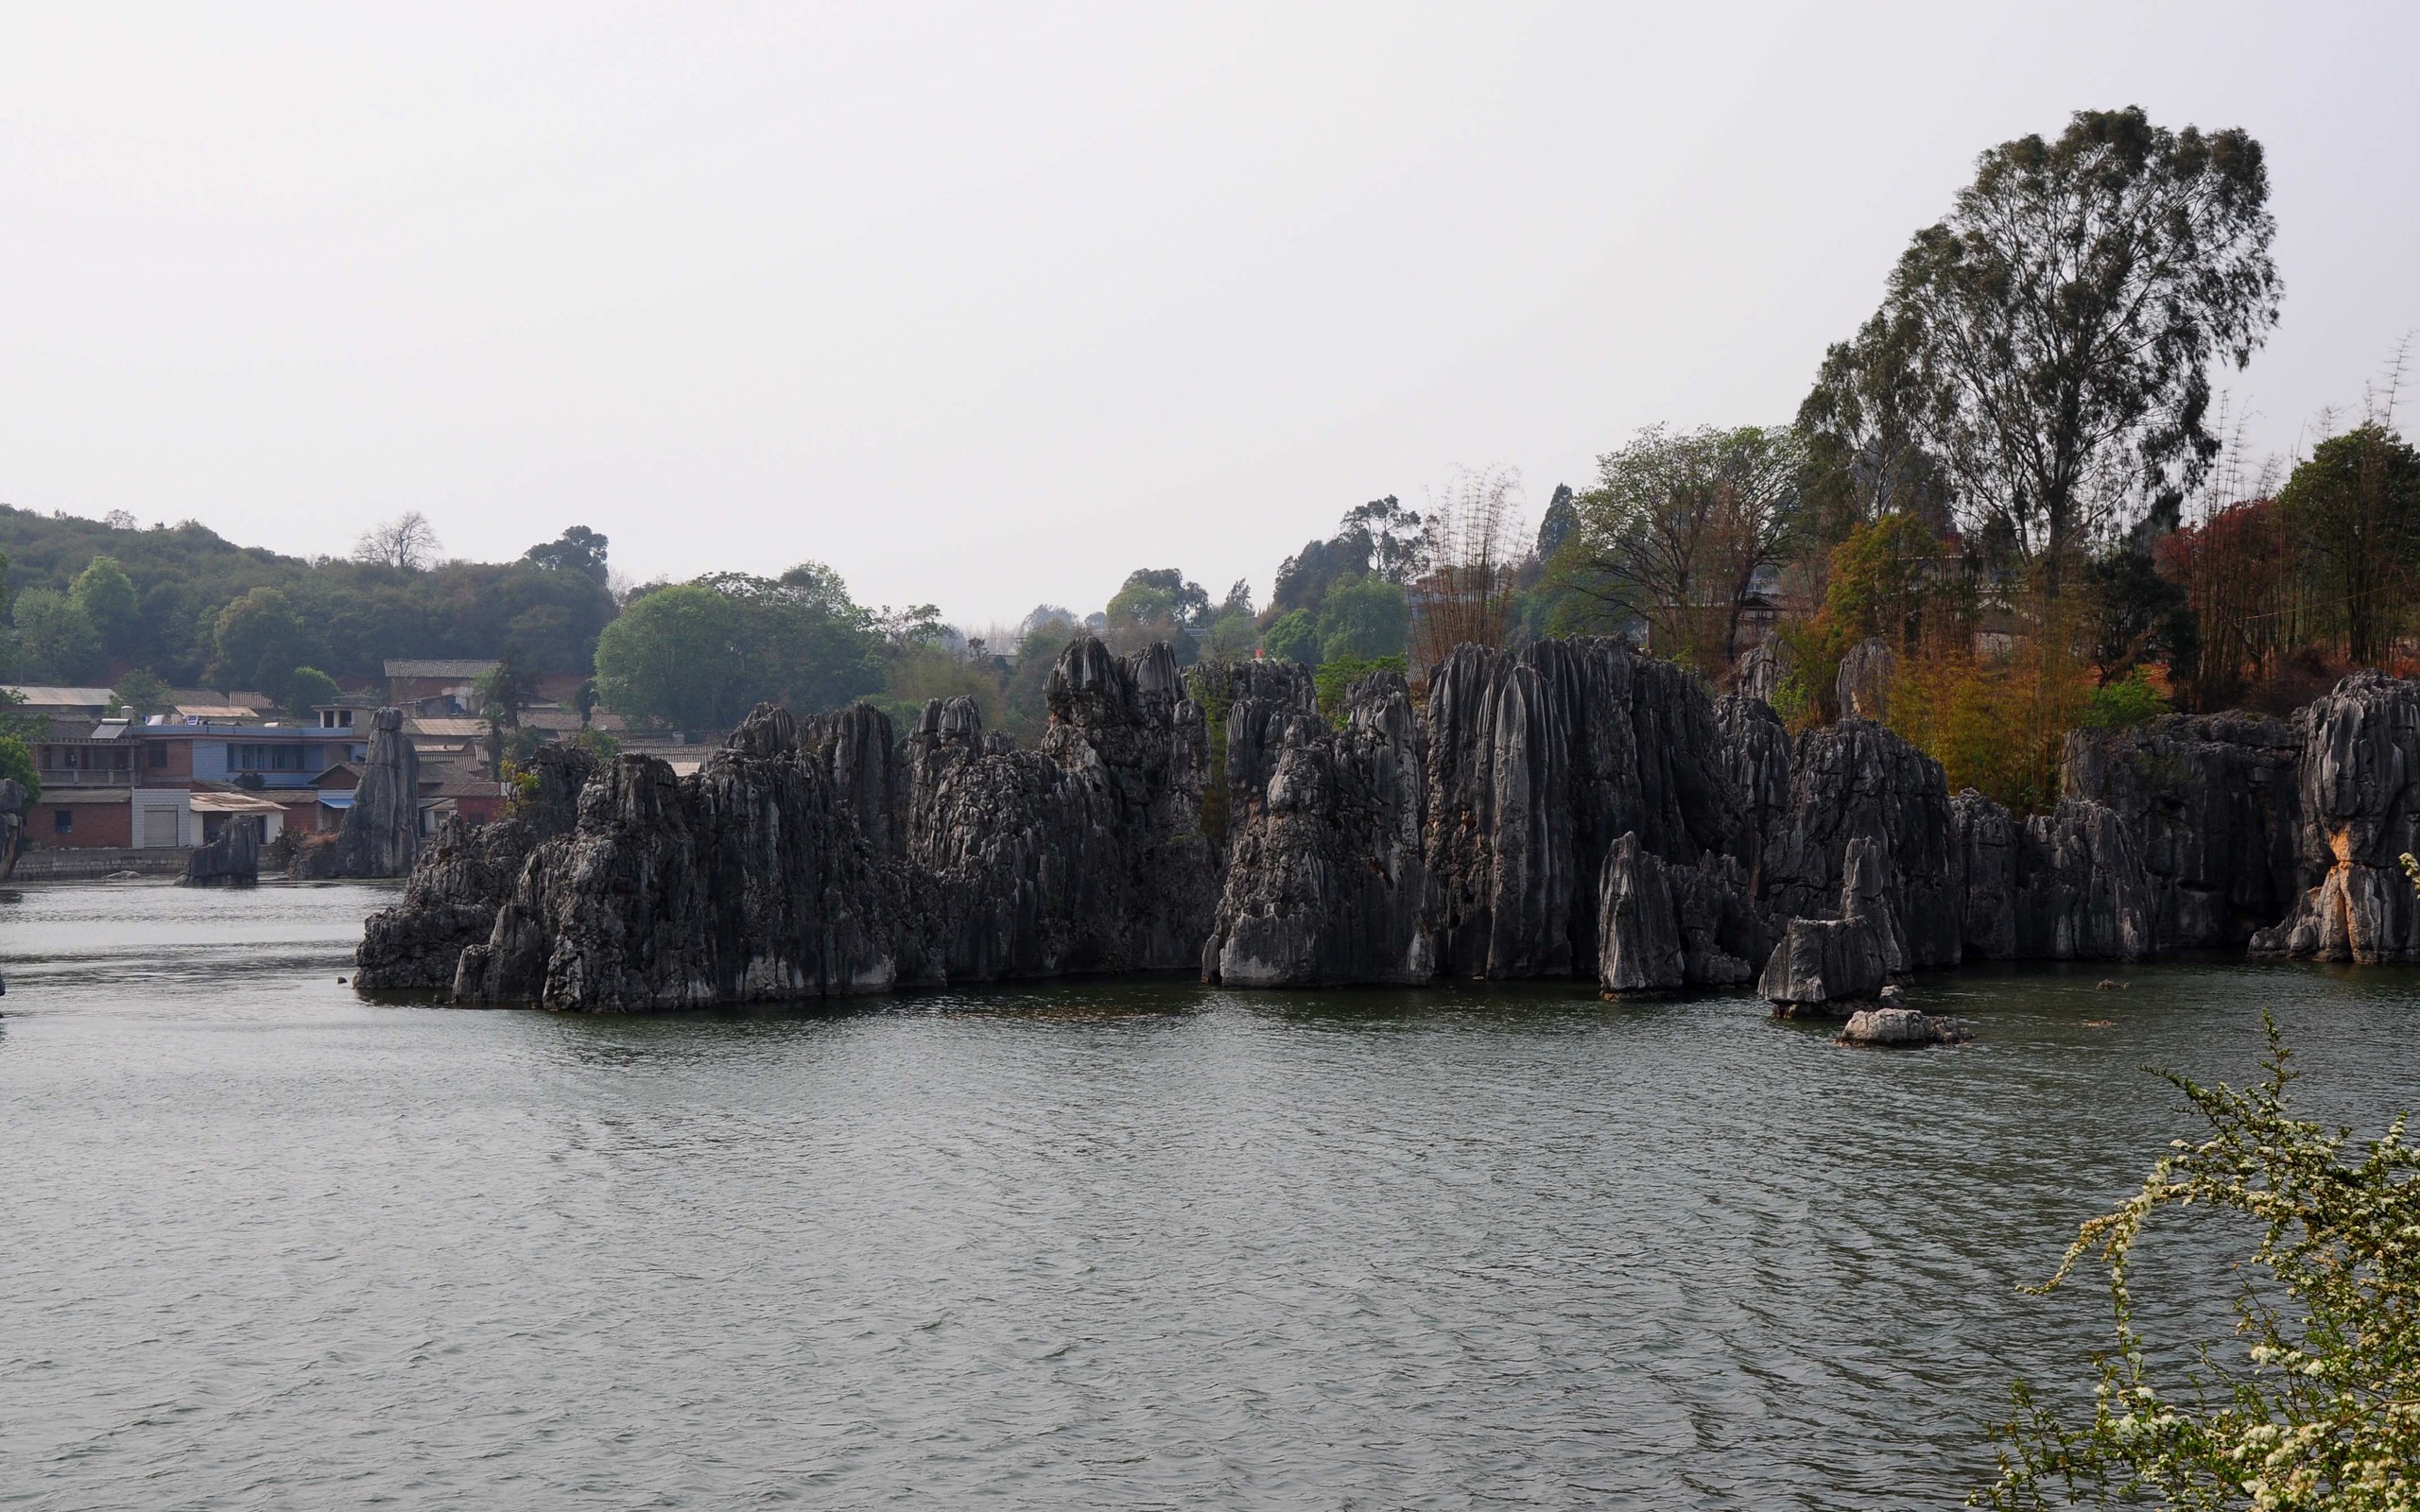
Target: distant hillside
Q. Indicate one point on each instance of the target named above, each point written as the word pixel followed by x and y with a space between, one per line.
pixel 342 617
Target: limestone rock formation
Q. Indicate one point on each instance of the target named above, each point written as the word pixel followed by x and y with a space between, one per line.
pixel 463 876
pixel 1761 668
pixel 1900 1026
pixel 12 824
pixel 2080 890
pixel 381 831
pixel 1538 760
pixel 1327 882
pixel 233 860
pixel 1846 959
pixel 1983 845
pixel 805 860
pixel 1755 749
pixel 2360 793
pixel 2214 804
pixel 1859 781
pixel 1864 684
pixel 1663 925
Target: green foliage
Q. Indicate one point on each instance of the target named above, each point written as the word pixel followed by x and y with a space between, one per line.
pixel 55 639
pixel 353 615
pixel 2353 508
pixel 699 655
pixel 1363 618
pixel 1379 539
pixel 2121 705
pixel 259 642
pixel 2048 343
pixel 305 690
pixel 107 596
pixel 140 695
pixel 507 688
pixel 1156 604
pixel 601 744
pixel 522 744
pixel 1026 711
pixel 918 674
pixel 2322 1408
pixel 1333 680
pixel 1293 636
pixel 576 550
pixel 18 761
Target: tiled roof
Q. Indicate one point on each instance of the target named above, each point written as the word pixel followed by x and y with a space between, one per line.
pixel 441 667
pixel 41 696
pixel 445 726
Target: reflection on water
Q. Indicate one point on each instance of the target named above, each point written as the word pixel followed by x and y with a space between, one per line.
pixel 1111 1242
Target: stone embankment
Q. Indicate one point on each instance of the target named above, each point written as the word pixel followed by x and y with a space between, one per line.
pixel 1571 809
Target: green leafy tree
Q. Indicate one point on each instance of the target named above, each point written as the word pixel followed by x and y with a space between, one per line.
pixel 1334 679
pixel 1155 605
pixel 2354 507
pixel 2050 341
pixel 107 596
pixel 141 694
pixel 260 641
pixel 16 761
pixel 2321 1409
pixel 1026 713
pixel 576 550
pixel 1676 533
pixel 672 658
pixel 1362 620
pixel 600 744
pixel 55 638
pixel 1234 631
pixel 307 689
pixel 1293 636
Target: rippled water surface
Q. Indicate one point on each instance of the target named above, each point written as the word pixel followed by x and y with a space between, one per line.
pixel 1120 1243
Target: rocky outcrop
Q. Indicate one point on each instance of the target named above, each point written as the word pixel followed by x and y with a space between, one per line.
pixel 2080 890
pixel 2214 805
pixel 1327 882
pixel 12 824
pixel 1864 682
pixel 1983 840
pixel 1538 760
pixel 2359 790
pixel 1755 750
pixel 1900 1027
pixel 233 860
pixel 1663 926
pixel 1845 958
pixel 819 859
pixel 1857 780
pixel 380 835
pixel 463 876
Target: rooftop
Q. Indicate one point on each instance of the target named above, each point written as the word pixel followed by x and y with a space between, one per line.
pixel 441 667
pixel 43 696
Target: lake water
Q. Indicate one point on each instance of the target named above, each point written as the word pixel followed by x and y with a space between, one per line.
pixel 1111 1243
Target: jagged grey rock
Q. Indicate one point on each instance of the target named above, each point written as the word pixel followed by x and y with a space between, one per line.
pixel 380 834
pixel 1327 882
pixel 12 824
pixel 233 860
pixel 1761 669
pixel 1848 959
pixel 1983 844
pixel 1864 684
pixel 2360 795
pixel 1664 925
pixel 1538 760
pixel 1900 1026
pixel 2214 804
pixel 463 876
pixel 2080 891
pixel 1755 748
pixel 1855 781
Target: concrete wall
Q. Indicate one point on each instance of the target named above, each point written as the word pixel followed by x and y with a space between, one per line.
pixel 53 866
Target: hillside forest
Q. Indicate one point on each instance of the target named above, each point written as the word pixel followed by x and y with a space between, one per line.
pixel 2014 491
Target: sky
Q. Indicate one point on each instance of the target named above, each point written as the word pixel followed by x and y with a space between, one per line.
pixel 986 306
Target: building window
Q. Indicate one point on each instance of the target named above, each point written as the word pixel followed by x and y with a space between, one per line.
pixel 62 822
pixel 159 749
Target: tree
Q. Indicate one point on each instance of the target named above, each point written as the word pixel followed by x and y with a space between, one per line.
pixel 1293 636
pixel 2354 506
pixel 1475 551
pixel 1364 619
pixel 1397 538
pixel 1562 519
pixel 141 694
pixel 107 596
pixel 1678 530
pixel 18 763
pixel 1155 605
pixel 671 657
pixel 307 689
pixel 408 543
pixel 1862 430
pixel 56 637
pixel 576 550
pixel 2050 340
pixel 259 642
pixel 2318 1409
pixel 584 700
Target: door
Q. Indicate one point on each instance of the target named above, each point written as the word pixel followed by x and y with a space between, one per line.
pixel 158 827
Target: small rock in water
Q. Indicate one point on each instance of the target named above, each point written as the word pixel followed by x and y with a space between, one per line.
pixel 2110 984
pixel 1900 1026
pixel 1895 996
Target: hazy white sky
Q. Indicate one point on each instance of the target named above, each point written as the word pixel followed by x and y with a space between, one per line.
pixel 988 305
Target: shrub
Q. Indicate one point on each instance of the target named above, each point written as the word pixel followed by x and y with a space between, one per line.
pixel 2121 705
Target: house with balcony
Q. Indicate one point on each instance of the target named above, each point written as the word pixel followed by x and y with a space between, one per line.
pixel 167 781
